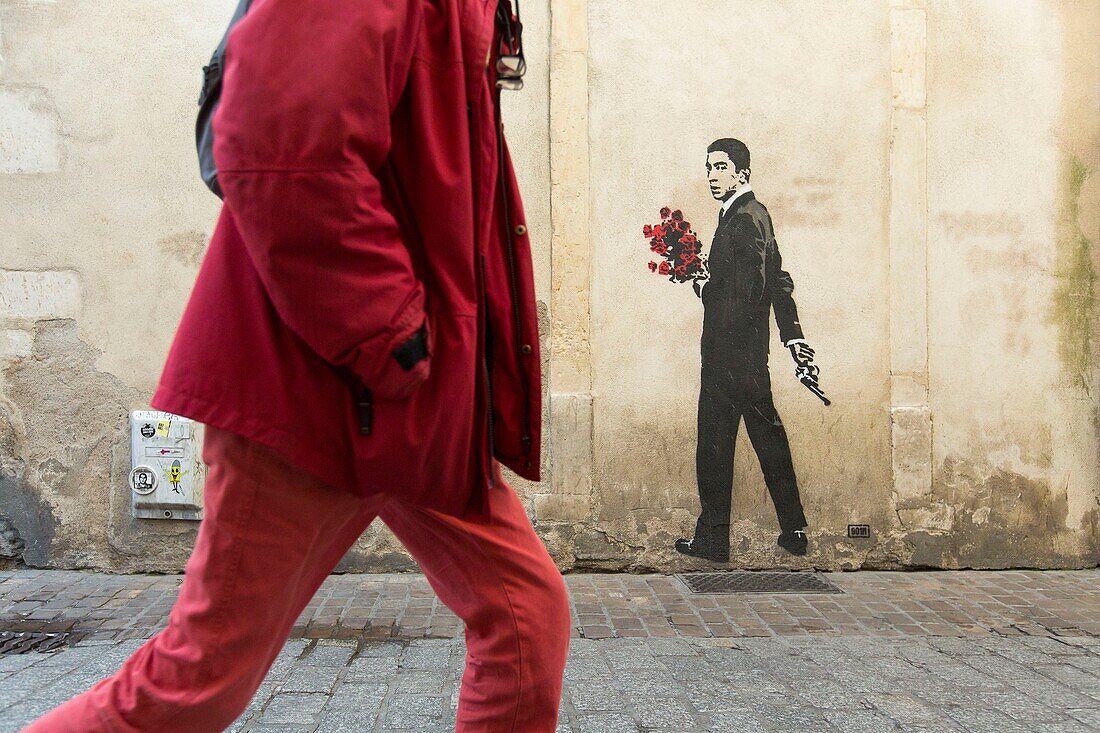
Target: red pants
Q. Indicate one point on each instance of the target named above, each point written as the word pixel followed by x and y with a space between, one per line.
pixel 270 535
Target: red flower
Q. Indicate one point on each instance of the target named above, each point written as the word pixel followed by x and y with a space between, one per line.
pixel 663 268
pixel 652 266
pixel 687 256
pixel 688 238
pixel 677 215
pixel 647 230
pixel 665 212
pixel 681 270
pixel 659 247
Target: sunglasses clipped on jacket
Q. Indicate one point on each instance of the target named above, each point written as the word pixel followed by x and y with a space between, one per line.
pixel 511 64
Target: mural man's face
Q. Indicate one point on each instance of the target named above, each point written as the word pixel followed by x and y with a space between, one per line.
pixel 724 179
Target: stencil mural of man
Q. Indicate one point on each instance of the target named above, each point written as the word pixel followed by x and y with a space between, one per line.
pixel 747 282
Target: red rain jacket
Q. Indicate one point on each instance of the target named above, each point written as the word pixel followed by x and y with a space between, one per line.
pixel 360 149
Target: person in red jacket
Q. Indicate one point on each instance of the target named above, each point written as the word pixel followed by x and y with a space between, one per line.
pixel 361 341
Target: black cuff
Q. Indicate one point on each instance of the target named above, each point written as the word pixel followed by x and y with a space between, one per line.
pixel 414 350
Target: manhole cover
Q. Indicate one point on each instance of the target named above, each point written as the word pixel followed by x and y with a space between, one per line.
pixel 21 642
pixel 744 581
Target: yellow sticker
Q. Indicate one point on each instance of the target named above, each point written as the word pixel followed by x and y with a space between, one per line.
pixel 163 426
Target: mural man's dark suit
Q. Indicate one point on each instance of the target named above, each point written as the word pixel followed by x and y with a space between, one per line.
pixel 747 284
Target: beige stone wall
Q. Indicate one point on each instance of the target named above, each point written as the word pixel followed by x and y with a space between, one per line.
pixel 931 169
pixel 1011 231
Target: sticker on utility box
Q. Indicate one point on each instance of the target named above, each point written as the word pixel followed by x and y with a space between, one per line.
pixel 166 475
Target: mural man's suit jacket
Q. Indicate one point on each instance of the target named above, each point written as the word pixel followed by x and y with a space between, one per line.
pixel 747 280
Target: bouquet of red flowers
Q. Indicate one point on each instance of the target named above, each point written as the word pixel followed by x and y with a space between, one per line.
pixel 681 257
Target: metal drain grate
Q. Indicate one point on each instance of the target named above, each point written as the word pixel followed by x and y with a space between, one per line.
pixel 747 581
pixel 21 642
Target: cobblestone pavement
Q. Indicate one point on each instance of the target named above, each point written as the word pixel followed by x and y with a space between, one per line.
pixel 974 651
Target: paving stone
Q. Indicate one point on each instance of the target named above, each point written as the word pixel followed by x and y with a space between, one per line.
pixel 1066 726
pixel 370 669
pixel 662 712
pixel 829 695
pixel 980 720
pixel 17 662
pixel 412 711
pixel 382 649
pixel 606 723
pixel 347 720
pixel 591 699
pixel 22 714
pixel 418 680
pixel 644 681
pixel 329 654
pixel 424 654
pixel 903 707
pixel 587 669
pixel 293 707
pixel 789 719
pixel 861 721
pixel 1088 716
pixel 311 679
pixel 739 719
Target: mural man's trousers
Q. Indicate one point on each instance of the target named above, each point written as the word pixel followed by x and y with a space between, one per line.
pixel 270 535
pixel 725 397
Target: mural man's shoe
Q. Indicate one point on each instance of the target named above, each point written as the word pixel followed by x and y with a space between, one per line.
pixel 793 542
pixel 697 547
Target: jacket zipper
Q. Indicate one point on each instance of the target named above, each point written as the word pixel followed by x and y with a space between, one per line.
pixel 365 412
pixel 482 303
pixel 503 183
pixel 487 366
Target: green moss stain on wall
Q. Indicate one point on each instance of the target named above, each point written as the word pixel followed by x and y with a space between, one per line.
pixel 1075 290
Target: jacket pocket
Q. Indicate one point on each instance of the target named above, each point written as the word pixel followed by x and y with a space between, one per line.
pixel 406 366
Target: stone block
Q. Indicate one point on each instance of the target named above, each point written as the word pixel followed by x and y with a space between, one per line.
pixel 909 44
pixel 571 442
pixel 29 138
pixel 14 345
pixel 562 507
pixel 39 294
pixel 912 438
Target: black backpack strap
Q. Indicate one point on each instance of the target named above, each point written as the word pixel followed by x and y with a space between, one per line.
pixel 208 103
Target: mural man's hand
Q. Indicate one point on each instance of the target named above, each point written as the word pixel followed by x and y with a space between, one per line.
pixel 801 352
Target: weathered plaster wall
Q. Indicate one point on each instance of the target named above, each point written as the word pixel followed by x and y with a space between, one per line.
pixel 1012 206
pixel 931 169
pixel 103 226
pixel 927 167
pixel 817 141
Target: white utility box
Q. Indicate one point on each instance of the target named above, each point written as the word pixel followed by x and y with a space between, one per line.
pixel 164 472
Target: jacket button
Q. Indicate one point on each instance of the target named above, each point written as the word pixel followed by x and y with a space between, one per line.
pixel 526 348
pixel 521 230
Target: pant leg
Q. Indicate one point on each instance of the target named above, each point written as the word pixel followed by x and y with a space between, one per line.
pixel 769 438
pixel 500 580
pixel 718 419
pixel 270 535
